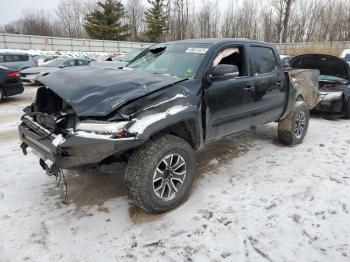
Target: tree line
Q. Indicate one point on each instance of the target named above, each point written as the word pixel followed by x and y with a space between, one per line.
pixel 166 20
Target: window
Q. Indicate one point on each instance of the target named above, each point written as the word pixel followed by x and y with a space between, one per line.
pixel 232 56
pixel 23 57
pixel 2 59
pixel 9 58
pixel 82 62
pixel 16 58
pixel 69 63
pixel 264 60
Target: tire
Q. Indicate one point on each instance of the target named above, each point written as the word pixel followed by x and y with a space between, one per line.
pixel 347 108
pixel 2 95
pixel 149 188
pixel 292 129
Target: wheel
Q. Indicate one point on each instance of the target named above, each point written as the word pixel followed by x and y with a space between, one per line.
pixel 160 173
pixel 292 129
pixel 347 108
pixel 2 95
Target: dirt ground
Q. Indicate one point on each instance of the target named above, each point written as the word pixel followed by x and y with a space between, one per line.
pixel 253 200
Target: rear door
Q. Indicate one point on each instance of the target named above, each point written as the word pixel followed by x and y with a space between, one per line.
pixel 269 82
pixel 230 101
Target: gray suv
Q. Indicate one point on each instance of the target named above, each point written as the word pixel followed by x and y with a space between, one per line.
pixel 17 61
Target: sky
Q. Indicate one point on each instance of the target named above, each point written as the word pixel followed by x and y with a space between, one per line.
pixel 11 10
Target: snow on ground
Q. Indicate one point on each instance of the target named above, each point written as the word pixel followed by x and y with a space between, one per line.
pixel 253 200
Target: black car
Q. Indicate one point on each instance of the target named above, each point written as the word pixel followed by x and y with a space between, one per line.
pixel 174 99
pixel 334 81
pixel 10 83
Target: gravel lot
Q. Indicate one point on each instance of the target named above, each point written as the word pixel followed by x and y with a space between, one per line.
pixel 253 200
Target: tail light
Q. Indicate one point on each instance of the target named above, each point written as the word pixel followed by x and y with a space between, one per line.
pixel 14 74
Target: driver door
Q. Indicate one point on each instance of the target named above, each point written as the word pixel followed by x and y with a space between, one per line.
pixel 229 101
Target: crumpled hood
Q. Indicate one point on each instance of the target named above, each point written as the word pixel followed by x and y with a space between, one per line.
pixel 40 69
pixel 98 92
pixel 327 64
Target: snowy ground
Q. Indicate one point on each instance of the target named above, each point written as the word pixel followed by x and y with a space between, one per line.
pixel 253 200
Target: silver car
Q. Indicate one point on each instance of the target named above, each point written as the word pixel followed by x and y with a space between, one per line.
pixel 31 75
pixel 17 61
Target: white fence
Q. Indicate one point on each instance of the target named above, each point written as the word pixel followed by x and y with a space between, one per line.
pixel 331 48
pixel 45 43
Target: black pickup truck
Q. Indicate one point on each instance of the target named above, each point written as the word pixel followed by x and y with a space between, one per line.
pixel 173 99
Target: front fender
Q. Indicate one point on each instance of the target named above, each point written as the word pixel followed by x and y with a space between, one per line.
pixel 146 125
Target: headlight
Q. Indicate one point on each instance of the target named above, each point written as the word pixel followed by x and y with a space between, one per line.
pixel 116 129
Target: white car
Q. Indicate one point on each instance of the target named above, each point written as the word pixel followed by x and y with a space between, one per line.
pixel 31 75
pixel 346 55
pixel 45 59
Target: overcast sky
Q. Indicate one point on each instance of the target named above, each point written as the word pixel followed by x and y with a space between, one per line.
pixel 11 10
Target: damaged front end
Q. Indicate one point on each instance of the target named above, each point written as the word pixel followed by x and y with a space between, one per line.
pixel 59 135
pixel 51 127
pixel 334 93
pixel 334 80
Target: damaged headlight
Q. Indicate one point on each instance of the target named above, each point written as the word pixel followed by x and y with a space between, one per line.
pixel 105 128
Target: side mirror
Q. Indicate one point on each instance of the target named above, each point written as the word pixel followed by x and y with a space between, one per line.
pixel 224 71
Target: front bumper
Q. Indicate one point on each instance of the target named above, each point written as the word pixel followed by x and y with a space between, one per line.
pixel 29 78
pixel 74 150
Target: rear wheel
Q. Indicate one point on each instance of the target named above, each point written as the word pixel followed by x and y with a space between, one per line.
pixel 2 95
pixel 292 129
pixel 160 173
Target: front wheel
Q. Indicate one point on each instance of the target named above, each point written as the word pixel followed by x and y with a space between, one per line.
pixel 160 173
pixel 292 129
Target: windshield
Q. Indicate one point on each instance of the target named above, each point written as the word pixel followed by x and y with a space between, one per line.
pixel 131 55
pixel 55 63
pixel 180 60
pixel 347 57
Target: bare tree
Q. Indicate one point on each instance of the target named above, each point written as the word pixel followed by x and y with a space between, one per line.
pixel 71 13
pixel 135 11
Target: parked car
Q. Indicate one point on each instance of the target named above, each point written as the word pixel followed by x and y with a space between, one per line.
pixel 119 61
pixel 45 59
pixel 31 75
pixel 174 99
pixel 334 81
pixel 346 55
pixel 10 83
pixel 17 61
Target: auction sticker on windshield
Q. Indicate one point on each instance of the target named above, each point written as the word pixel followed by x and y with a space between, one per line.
pixel 194 50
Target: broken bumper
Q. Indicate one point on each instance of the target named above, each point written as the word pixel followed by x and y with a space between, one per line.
pixel 330 102
pixel 74 150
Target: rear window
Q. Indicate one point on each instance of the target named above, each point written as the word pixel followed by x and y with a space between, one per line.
pixel 264 60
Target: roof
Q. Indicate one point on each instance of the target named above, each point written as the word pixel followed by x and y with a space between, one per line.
pixel 215 40
pixel 13 53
